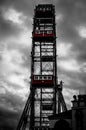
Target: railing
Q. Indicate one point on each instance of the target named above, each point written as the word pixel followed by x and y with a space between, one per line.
pixel 43 79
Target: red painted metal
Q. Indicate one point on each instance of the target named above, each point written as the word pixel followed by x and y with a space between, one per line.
pixel 43 35
pixel 43 82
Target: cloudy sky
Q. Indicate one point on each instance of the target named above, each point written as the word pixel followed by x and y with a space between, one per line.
pixel 16 17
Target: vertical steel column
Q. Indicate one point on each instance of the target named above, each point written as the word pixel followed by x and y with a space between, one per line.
pixel 44 65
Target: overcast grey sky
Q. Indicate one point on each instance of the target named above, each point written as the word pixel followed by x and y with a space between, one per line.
pixel 16 18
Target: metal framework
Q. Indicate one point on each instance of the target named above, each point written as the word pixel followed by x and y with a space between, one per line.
pixel 46 94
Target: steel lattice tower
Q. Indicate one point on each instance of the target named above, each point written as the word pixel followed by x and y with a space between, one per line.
pixel 46 94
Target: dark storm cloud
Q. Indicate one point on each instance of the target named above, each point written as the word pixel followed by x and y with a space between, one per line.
pixel 8 119
pixel 11 100
pixel 73 11
pixel 2 2
pixel 73 15
pixel 10 110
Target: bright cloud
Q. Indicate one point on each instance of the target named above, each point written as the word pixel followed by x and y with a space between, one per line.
pixel 12 65
pixel 17 91
pixel 14 16
pixel 67 92
pixel 25 38
pixel 59 18
pixel 64 49
pixel 82 31
pixel 17 79
pixel 69 65
pixel 11 59
pixel 13 73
